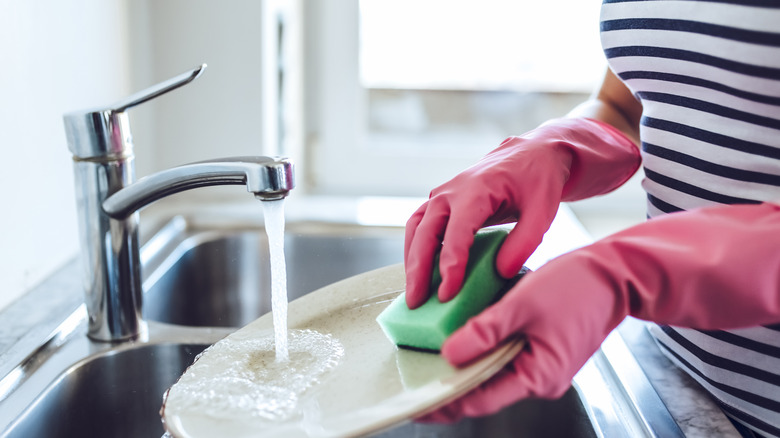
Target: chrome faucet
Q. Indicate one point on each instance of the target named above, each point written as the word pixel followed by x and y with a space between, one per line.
pixel 108 199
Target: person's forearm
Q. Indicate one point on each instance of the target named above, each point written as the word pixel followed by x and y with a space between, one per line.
pixel 614 104
pixel 600 110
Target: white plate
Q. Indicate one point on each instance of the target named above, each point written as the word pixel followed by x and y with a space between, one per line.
pixel 373 386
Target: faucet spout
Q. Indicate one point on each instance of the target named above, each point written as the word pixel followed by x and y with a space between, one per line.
pixel 268 178
pixel 108 197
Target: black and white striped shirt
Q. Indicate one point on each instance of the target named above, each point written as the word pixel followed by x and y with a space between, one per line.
pixel 708 76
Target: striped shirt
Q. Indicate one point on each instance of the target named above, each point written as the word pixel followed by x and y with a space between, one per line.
pixel 708 76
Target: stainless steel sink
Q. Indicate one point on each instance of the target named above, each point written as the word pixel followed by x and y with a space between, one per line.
pixel 221 277
pixel 565 417
pixel 202 282
pixel 115 393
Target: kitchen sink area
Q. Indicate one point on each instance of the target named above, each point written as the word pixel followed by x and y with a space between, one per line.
pixel 108 302
pixel 202 280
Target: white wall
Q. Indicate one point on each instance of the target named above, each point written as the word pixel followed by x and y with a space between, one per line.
pixel 219 114
pixel 60 56
pixel 55 57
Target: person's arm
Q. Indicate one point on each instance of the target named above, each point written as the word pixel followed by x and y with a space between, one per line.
pixel 613 103
pixel 524 180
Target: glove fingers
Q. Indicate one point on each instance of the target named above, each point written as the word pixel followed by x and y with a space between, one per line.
pixel 443 226
pixel 487 330
pixel 424 233
pixel 537 371
pixel 521 242
pixel 458 239
pixel 411 227
pixel 455 254
pixel 527 234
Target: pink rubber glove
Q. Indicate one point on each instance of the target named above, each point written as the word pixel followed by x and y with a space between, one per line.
pixel 714 268
pixel 523 180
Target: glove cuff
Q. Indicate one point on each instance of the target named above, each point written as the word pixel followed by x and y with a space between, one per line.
pixel 603 158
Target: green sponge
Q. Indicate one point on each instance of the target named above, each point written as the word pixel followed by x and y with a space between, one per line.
pixel 427 326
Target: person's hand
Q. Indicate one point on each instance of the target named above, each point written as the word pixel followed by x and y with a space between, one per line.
pixel 523 180
pixel 714 268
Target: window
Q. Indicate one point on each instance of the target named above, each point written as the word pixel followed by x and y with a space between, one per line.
pixel 401 95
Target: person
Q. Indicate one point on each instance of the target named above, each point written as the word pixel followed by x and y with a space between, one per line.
pixel 696 86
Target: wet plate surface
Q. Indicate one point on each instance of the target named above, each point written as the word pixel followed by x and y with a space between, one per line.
pixel 345 378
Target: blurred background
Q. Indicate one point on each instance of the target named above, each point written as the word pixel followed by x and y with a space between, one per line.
pixel 369 97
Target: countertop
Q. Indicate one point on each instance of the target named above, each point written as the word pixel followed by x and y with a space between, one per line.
pixel 691 407
pixel 30 319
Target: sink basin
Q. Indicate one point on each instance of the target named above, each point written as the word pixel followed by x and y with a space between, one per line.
pixel 203 281
pixel 221 278
pixel 565 417
pixel 113 394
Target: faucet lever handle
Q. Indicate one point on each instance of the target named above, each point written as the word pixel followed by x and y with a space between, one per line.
pixel 158 89
pixel 104 134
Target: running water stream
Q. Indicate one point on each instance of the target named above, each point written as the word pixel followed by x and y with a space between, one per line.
pixel 243 376
pixel 274 228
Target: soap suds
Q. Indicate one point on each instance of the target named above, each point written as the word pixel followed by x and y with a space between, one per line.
pixel 241 378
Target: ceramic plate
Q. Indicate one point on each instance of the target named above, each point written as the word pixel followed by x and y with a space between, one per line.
pixel 349 380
